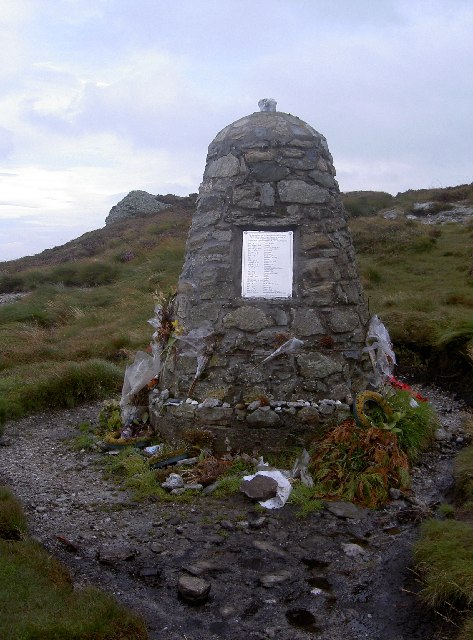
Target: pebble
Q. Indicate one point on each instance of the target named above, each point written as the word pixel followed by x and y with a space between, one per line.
pixel 193 590
pixel 352 550
pixel 258 522
pixel 173 481
pixel 269 580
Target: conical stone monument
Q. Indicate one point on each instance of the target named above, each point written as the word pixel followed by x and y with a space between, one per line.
pixel 269 296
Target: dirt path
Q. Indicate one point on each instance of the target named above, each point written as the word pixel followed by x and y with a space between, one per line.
pixel 272 575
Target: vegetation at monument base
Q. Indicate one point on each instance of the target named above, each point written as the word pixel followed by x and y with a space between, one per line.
pixel 37 598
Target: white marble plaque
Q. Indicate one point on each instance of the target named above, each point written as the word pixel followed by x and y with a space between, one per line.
pixel 267 264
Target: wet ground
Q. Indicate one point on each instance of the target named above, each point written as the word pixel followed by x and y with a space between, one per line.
pixel 337 574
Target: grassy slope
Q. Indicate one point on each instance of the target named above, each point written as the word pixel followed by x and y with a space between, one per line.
pixel 90 328
pixel 417 277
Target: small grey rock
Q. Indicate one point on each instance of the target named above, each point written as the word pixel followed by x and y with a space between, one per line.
pixel 227 611
pixel 258 522
pixel 346 510
pixel 150 572
pixel 210 403
pixel 193 590
pixel 173 481
pixel 210 488
pixel 352 550
pixel 267 547
pixel 193 487
pixel 269 580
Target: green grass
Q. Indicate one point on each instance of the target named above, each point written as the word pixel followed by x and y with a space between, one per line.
pixel 463 473
pixel 56 385
pixel 445 556
pixel 444 552
pixel 37 598
pixel 131 471
pixel 303 498
pixel 84 318
pixel 227 486
pixel 417 424
pixel 12 518
pixel 366 203
pixel 38 602
pixel 402 264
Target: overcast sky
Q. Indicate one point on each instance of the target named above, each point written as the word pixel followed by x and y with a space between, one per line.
pixel 100 97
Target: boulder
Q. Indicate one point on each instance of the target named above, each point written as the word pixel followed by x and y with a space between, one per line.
pixel 259 488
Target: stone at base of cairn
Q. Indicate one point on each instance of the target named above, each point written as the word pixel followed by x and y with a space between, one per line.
pixel 246 427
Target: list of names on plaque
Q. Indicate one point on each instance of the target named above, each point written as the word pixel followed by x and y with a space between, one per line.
pixel 267 263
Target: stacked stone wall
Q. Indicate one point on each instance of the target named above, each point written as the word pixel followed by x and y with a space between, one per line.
pixel 271 172
pixel 260 424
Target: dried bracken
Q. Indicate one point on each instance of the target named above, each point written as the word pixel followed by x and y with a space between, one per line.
pixel 207 471
pixel 359 464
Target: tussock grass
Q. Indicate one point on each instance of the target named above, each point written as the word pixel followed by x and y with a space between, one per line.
pixel 12 518
pixel 71 274
pixel 444 552
pixel 389 237
pixel 37 600
pixel 466 631
pixel 420 283
pixel 53 385
pixel 463 473
pixel 366 203
pixel 445 556
pixel 86 312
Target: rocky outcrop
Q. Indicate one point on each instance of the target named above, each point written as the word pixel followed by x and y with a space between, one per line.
pixel 136 203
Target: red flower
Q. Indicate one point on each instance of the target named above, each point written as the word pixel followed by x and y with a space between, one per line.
pixel 397 384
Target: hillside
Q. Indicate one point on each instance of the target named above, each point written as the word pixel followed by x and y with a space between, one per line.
pixel 88 301
pixel 139 232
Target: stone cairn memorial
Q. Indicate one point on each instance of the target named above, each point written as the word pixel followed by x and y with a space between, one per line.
pixel 269 302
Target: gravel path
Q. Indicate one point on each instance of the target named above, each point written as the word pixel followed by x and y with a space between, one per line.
pixel 272 575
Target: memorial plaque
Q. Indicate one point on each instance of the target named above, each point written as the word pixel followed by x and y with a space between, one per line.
pixel 267 264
